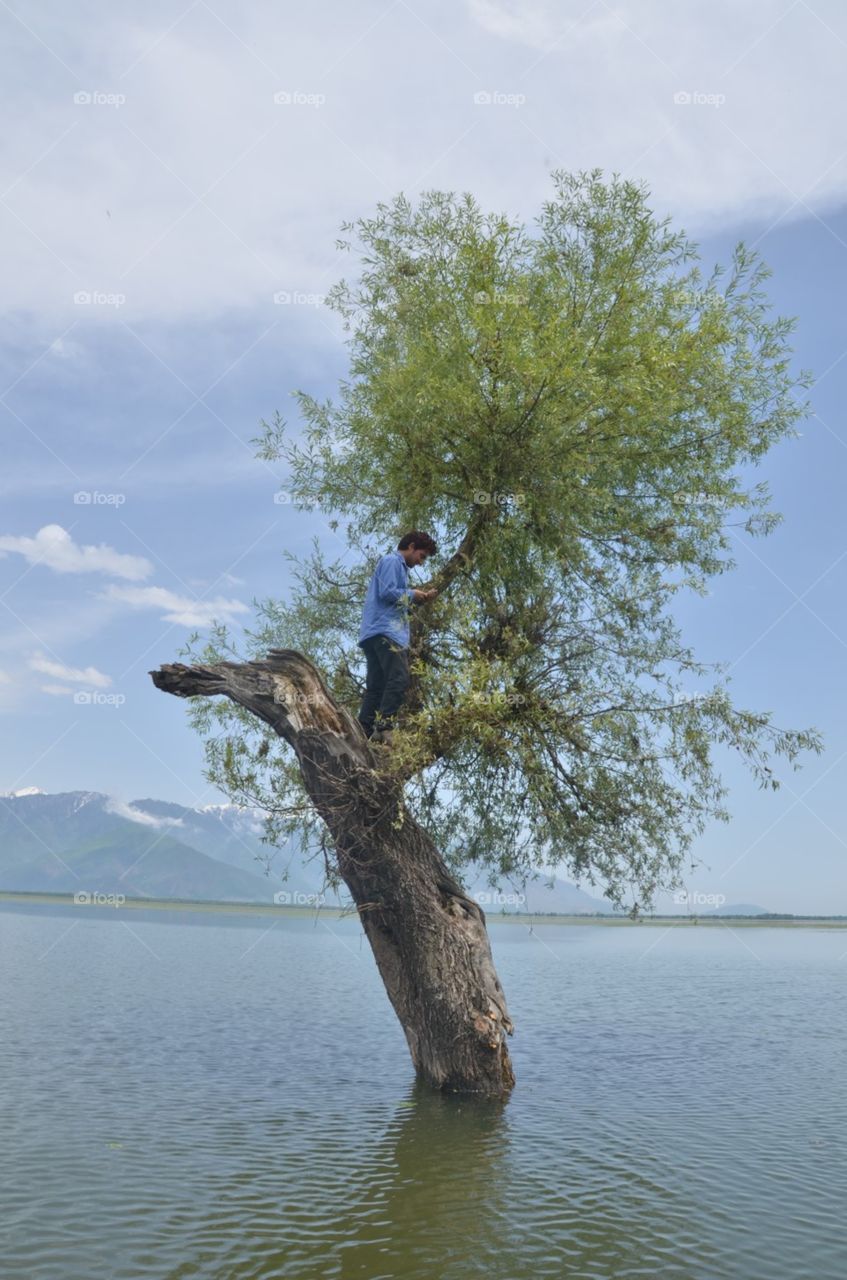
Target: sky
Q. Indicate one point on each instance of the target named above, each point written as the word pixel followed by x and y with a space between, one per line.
pixel 171 196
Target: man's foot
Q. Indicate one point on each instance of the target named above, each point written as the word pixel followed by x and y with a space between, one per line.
pixel 383 737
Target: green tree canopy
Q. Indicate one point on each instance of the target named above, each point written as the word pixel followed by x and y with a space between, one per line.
pixel 571 411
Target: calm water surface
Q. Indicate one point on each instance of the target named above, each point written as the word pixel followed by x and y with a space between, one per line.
pixel 215 1098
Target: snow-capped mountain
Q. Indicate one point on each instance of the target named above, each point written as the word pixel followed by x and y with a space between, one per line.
pixel 153 848
pixel 86 840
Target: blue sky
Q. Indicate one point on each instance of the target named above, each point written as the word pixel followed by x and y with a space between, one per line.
pixel 181 167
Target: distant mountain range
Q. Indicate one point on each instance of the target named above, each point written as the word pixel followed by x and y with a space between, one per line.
pixel 87 841
pixel 737 909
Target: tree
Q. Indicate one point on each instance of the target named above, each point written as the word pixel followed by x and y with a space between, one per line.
pixel 574 412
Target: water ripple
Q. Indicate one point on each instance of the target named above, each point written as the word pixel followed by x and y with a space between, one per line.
pixel 222 1104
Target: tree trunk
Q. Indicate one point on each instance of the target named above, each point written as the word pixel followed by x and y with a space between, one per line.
pixel 428 938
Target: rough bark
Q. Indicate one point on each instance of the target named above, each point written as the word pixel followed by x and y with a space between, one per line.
pixel 428 938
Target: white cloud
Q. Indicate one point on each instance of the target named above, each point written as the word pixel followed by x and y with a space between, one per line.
pixel 78 675
pixel 53 546
pixel 57 690
pixel 243 197
pixel 123 810
pixel 176 608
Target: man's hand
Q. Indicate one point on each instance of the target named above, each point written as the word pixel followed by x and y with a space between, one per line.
pixel 421 597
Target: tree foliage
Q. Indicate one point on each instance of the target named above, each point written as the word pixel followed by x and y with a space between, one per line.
pixel 573 411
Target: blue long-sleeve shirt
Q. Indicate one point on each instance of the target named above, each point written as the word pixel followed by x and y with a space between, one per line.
pixel 386 611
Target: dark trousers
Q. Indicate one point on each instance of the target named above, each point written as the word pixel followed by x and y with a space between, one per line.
pixel 386 684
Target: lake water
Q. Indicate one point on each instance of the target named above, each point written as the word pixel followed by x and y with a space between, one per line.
pixel 229 1098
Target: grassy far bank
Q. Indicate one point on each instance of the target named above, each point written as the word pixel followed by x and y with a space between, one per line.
pixel 279 910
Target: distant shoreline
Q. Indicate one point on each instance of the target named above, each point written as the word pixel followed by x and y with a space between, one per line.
pixel 281 911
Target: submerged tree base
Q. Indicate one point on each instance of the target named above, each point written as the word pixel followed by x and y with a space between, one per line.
pixel 429 939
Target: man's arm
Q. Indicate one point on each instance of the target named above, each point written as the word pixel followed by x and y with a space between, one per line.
pixel 391 582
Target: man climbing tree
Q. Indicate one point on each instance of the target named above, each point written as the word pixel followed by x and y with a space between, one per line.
pixel 384 633
pixel 574 413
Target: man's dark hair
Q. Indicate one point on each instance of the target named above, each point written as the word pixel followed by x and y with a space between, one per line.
pixel 422 541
